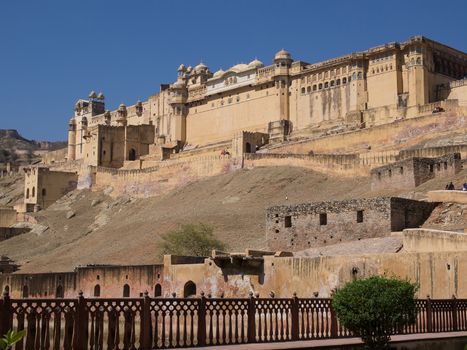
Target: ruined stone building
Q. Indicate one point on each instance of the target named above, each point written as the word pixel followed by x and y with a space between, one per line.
pixel 296 227
pixel 284 98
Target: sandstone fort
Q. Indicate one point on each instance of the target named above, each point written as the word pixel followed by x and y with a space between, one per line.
pixel 390 121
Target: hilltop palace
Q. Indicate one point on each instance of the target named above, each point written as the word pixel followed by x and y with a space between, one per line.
pixel 271 103
pixel 395 115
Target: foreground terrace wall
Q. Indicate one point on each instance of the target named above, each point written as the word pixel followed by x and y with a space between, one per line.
pixel 439 275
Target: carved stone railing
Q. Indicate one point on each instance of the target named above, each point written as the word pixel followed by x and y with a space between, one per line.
pixel 159 323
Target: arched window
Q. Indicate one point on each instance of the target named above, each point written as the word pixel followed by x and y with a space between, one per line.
pixel 132 154
pixel 44 192
pixel 126 291
pixel 308 89
pixel 189 290
pixel 97 290
pixel 33 192
pixel 59 291
pixel 344 80
pixel 247 147
pixel 303 90
pixel 27 193
pixel 25 292
pixel 7 289
pixel 320 86
pixel 314 87
pixel 157 290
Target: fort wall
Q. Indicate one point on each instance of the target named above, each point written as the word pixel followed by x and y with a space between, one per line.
pixel 413 172
pixel 405 132
pixel 308 225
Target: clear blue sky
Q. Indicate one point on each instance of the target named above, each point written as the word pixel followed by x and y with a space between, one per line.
pixel 54 52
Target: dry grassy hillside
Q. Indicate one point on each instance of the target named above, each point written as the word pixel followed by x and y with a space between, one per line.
pixel 125 231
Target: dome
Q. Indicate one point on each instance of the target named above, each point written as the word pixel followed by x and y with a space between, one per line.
pixel 179 84
pixel 255 64
pixel 218 74
pixel 100 96
pixel 282 54
pixel 92 94
pixel 122 106
pixel 239 67
pixel 181 68
pixel 200 67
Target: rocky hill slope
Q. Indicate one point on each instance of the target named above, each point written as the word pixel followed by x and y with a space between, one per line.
pixel 88 227
pixel 14 147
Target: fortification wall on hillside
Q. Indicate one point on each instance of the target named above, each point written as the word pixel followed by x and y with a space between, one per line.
pixel 334 164
pixel 399 134
pixel 164 177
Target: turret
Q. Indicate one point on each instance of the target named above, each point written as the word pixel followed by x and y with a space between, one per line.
pixel 72 139
pixel 282 62
pixel 121 115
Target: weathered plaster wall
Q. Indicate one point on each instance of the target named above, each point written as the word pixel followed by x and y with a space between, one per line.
pixel 428 240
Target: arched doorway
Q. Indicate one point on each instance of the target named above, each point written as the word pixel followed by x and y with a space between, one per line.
pixel 189 290
pixel 126 291
pixel 25 292
pixel 132 154
pixel 59 292
pixel 97 291
pixel 248 147
pixel 157 290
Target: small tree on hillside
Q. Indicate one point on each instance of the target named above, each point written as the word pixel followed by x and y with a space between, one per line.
pixel 191 239
pixel 373 308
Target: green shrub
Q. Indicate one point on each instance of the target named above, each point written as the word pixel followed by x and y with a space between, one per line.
pixel 191 239
pixel 10 339
pixel 372 308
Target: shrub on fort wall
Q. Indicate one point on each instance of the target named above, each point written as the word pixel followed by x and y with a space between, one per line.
pixel 192 240
pixel 374 307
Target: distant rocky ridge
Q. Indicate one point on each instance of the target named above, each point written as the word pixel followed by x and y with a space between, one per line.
pixel 15 148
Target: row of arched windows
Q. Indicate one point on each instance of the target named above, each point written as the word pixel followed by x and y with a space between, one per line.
pixel 189 290
pixel 326 85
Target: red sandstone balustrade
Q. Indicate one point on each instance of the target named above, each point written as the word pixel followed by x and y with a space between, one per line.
pixel 159 323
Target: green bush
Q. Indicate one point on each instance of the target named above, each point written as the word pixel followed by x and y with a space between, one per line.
pixel 10 339
pixel 373 308
pixel 192 240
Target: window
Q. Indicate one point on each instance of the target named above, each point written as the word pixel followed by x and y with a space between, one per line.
pixel 431 168
pixel 126 291
pixel 445 165
pixel 132 154
pixel 33 191
pixel 314 87
pixel 338 82
pixel 360 216
pixel 27 193
pixel 308 89
pixel 44 192
pixel 320 86
pixel 323 219
pixel 189 290
pixel 326 85
pixel 288 221
pixel 303 90
pixel 97 291
pixel 344 80
pixel 401 170
pixel 157 290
